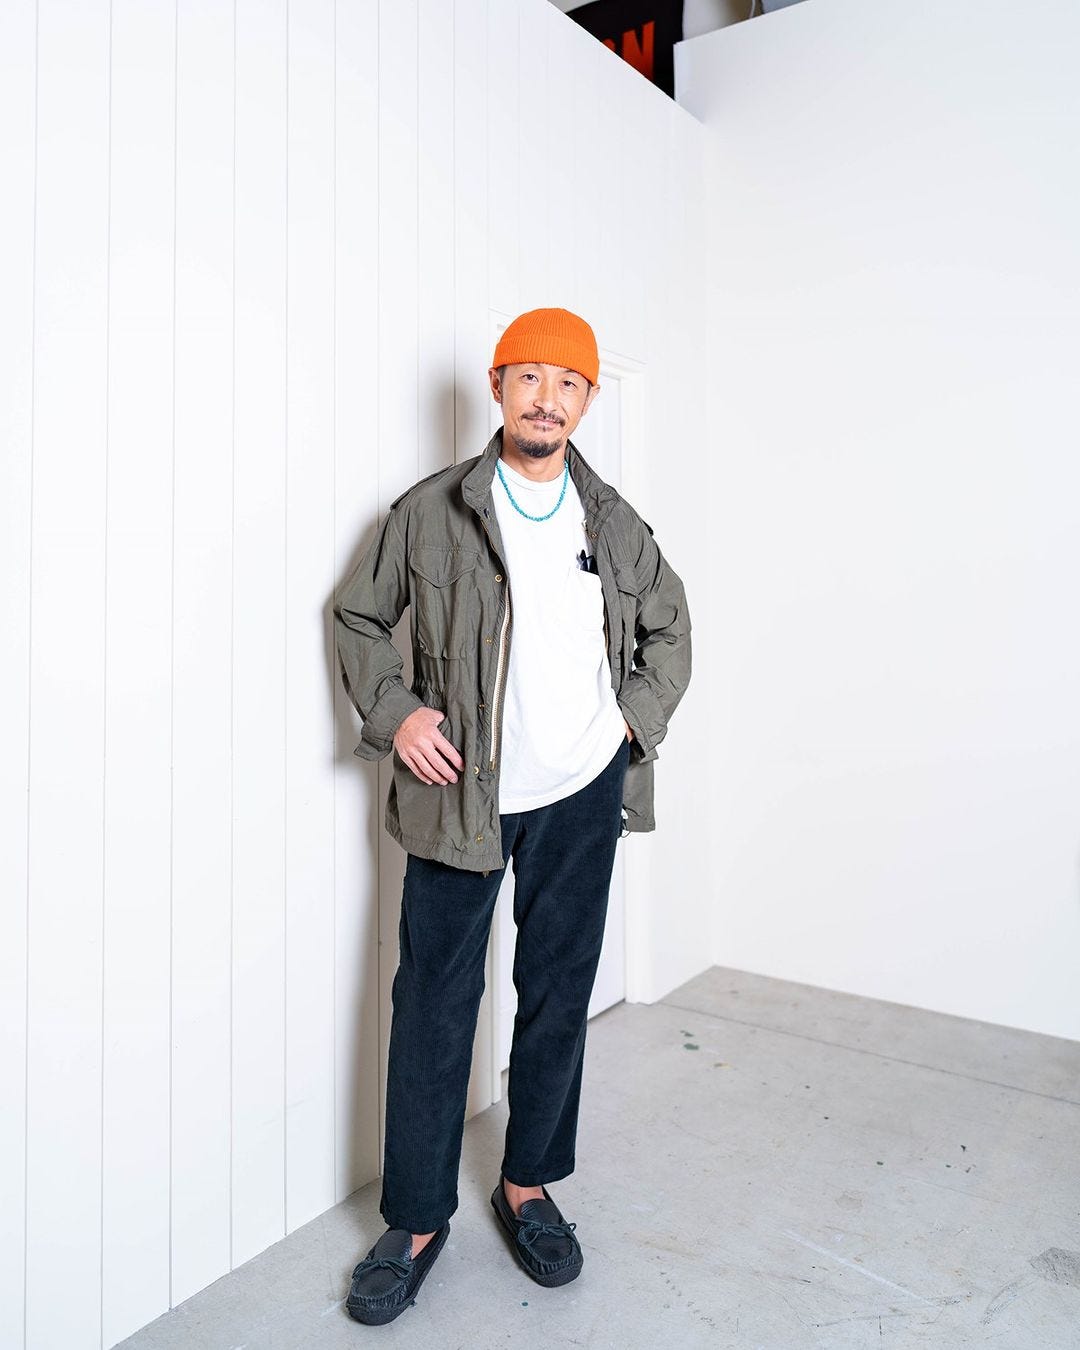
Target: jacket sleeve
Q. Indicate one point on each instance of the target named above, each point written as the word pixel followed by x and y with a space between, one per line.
pixel 370 604
pixel 662 646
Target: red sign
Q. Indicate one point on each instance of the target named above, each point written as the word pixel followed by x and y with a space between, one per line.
pixel 642 32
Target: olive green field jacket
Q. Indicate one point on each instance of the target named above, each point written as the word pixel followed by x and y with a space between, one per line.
pixel 439 552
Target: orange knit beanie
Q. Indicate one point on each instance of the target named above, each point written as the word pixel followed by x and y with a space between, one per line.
pixel 553 336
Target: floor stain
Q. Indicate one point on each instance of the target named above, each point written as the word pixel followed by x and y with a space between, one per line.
pixel 1058 1265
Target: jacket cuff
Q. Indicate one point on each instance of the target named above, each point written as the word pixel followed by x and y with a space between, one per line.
pixel 643 710
pixel 388 713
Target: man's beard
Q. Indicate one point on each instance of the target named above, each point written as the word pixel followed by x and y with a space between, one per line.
pixel 536 449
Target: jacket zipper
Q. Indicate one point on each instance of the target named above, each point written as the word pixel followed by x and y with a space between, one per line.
pixel 496 707
pixel 499 668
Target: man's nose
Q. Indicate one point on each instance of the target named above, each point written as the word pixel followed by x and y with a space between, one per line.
pixel 545 398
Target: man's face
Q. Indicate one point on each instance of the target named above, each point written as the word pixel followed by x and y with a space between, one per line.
pixel 542 405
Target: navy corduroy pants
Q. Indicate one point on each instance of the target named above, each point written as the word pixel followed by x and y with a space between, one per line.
pixel 563 855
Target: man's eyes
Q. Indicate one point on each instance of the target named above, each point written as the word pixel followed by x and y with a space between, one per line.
pixel 529 376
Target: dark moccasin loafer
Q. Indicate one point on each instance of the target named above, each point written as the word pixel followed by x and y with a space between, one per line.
pixel 542 1240
pixel 386 1281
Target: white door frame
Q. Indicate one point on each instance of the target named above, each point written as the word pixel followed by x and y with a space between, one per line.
pixel 630 374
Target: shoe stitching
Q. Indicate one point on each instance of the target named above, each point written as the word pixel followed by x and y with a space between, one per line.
pixel 527 1230
pixel 404 1269
pixel 389 1296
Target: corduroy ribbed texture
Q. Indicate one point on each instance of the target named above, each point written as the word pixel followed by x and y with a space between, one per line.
pixel 553 336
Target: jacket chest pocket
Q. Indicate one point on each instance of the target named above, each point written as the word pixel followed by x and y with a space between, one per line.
pixel 446 598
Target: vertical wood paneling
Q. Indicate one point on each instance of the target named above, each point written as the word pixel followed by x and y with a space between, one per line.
pixel 435 238
pixel 398 462
pixel 472 347
pixel 310 652
pixel 577 135
pixel 138 665
pixel 18 81
pixel 504 152
pixel 558 84
pixel 257 304
pixel 201 1179
pixel 474 120
pixel 67 667
pixel 259 631
pixel 539 181
pixel 570 156
pixel 358 805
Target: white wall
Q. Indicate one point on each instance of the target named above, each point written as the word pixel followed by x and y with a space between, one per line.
pixel 249 266
pixel 894 344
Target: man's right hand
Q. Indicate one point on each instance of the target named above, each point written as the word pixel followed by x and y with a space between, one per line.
pixel 422 746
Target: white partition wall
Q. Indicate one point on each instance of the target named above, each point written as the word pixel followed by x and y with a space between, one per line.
pixel 895 337
pixel 249 255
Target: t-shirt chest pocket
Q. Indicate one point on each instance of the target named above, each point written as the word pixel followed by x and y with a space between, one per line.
pixel 585 601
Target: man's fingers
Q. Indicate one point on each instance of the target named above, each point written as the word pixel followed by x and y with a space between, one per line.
pixel 423 770
pixel 423 751
pixel 431 767
pixel 449 750
pixel 442 771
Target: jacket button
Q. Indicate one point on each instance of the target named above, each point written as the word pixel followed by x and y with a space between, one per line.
pixel 487 639
pixel 476 768
pixel 498 576
pixel 479 838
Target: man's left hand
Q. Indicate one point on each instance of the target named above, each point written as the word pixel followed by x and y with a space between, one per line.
pixel 629 730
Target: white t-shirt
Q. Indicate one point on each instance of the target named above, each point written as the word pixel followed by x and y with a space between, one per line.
pixel 560 722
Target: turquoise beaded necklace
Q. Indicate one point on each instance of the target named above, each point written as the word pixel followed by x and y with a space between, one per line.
pixel 562 494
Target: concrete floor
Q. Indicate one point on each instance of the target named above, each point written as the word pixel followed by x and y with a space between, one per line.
pixel 760 1164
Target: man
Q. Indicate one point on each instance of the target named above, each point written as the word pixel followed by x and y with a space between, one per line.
pixel 551 644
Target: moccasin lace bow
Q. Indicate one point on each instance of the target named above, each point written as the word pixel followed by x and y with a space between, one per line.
pixel 399 1267
pixel 531 1229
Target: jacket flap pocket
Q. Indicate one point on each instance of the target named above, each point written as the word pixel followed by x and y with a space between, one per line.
pixel 441 565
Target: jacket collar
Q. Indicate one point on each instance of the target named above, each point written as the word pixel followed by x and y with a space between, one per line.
pixel 597 497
